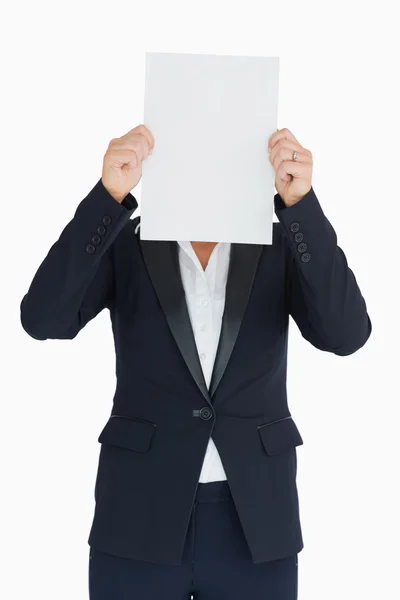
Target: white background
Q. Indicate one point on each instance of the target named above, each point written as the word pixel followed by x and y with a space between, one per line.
pixel 72 78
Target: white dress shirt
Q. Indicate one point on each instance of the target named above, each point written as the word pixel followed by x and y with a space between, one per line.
pixel 205 299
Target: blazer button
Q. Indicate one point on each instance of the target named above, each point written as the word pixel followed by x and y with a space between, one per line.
pixel 205 413
pixel 106 220
pixel 96 239
pixel 90 248
pixel 294 227
pixel 298 237
pixel 302 247
pixel 306 257
pixel 101 230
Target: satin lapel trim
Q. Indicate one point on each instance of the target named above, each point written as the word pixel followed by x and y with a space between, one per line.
pixel 244 259
pixel 162 262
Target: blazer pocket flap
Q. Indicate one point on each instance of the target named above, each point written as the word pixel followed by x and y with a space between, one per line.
pixel 280 435
pixel 128 432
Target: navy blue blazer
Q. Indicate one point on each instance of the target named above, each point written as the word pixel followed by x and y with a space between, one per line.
pixel 163 414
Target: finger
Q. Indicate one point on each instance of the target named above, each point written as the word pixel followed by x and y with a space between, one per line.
pixel 129 141
pixel 288 155
pixel 136 142
pixel 289 169
pixel 140 148
pixel 283 145
pixel 144 131
pixel 144 137
pixel 123 158
pixel 279 135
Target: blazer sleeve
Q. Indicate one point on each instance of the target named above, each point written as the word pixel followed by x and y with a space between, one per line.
pixel 74 281
pixel 323 295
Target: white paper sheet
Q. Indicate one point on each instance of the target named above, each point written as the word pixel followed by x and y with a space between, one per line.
pixel 209 177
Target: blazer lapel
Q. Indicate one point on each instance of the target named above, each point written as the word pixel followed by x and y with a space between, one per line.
pixel 243 264
pixel 162 262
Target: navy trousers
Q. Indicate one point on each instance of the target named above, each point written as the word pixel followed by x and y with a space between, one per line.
pixel 216 562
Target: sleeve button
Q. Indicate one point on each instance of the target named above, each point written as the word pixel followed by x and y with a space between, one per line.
pixel 106 220
pixel 96 240
pixel 298 237
pixel 306 257
pixel 90 249
pixel 302 247
pixel 294 227
pixel 101 230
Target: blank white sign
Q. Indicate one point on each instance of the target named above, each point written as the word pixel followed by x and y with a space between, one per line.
pixel 209 177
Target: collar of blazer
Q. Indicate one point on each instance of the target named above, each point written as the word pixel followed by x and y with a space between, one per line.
pixel 162 262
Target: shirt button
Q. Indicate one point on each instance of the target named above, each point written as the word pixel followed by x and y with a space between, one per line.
pixel 203 356
pixel 204 303
pixel 203 327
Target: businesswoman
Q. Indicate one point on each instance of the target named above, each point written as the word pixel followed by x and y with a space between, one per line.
pixel 196 492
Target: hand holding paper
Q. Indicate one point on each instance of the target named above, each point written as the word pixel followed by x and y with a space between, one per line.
pixel 122 165
pixel 293 166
